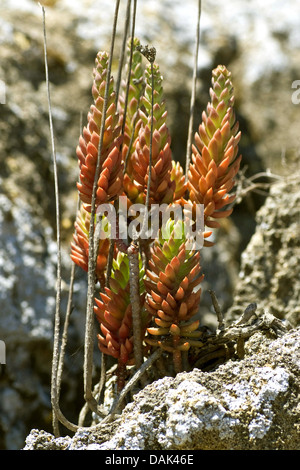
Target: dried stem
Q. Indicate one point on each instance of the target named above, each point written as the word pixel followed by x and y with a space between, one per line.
pixel 223 344
pixel 131 383
pixel 68 311
pixel 133 251
pixel 151 59
pixel 221 323
pixel 89 336
pixel 193 96
pixel 134 123
pixel 129 68
pixel 55 360
pixel 133 257
pixel 65 330
pixel 122 55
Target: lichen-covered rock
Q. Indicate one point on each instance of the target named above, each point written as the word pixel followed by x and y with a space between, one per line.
pixel 250 404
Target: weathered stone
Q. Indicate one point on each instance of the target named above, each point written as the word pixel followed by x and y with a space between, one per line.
pixel 270 268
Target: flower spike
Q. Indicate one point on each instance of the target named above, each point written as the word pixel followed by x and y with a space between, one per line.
pixel 162 188
pixel 214 160
pixel 173 295
pixel 114 313
pixel 80 246
pixel 110 179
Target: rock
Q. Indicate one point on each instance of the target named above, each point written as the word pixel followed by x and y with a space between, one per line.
pixel 27 279
pixel 27 304
pixel 270 268
pixel 250 404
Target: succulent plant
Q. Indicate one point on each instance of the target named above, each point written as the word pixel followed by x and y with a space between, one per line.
pixel 114 313
pixel 173 298
pixel 169 272
pixel 135 183
pixel 135 92
pixel 80 246
pixel 110 178
pixel 214 159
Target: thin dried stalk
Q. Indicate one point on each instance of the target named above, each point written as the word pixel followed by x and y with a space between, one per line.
pixel 220 317
pixel 131 383
pixel 151 58
pixel 133 257
pixel 89 333
pixel 193 96
pixel 122 55
pixel 68 311
pixel 129 67
pixel 133 251
pixel 55 360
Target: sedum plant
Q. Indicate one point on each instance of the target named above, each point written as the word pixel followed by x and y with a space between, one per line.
pixel 144 283
pixel 172 301
pixel 148 288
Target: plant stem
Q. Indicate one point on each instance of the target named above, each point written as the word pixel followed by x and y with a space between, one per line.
pixel 193 95
pixel 129 68
pixel 55 359
pixel 121 60
pixel 133 257
pixel 89 336
pixel 145 221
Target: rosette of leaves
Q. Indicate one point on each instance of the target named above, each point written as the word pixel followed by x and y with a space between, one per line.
pixel 80 246
pixel 110 178
pixel 173 295
pixel 214 153
pixel 114 313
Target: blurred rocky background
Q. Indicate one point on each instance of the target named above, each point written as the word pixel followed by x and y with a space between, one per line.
pixel 258 42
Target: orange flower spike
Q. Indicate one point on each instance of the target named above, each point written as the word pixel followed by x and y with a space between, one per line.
pixel 180 271
pixel 114 314
pixel 215 148
pixel 162 187
pixel 109 184
pixel 80 246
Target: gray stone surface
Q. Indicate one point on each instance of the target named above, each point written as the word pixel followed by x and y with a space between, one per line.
pixel 270 265
pixel 27 278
